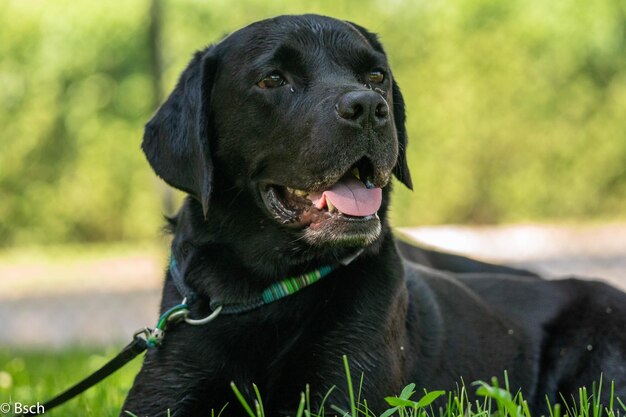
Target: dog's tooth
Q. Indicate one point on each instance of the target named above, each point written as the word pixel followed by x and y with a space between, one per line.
pixel 295 191
pixel 331 207
pixel 356 173
pixel 300 193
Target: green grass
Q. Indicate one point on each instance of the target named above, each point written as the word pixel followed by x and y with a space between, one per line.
pixel 493 400
pixel 32 376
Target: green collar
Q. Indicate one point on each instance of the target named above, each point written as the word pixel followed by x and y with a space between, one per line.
pixel 274 292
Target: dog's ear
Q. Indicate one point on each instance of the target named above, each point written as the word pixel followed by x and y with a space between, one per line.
pixel 176 140
pixel 401 170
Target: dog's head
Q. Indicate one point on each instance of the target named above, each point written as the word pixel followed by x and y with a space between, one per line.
pixel 294 123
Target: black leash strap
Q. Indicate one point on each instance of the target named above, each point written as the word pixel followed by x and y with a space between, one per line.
pixel 130 352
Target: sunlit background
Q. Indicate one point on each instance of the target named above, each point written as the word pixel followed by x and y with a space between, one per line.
pixel 516 115
pixel 517 109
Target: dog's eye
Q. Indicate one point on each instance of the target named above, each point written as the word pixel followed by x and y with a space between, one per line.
pixel 273 80
pixel 376 76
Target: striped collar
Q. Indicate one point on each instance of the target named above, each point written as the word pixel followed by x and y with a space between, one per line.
pixel 274 292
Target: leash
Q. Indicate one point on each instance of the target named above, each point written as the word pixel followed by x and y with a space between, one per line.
pixel 130 352
pixel 146 337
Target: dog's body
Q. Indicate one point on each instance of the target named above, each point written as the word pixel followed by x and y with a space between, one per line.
pixel 262 131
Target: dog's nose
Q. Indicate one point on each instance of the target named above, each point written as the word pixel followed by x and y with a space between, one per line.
pixel 363 108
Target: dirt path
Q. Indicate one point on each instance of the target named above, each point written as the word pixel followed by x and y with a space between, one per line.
pixel 590 251
pixel 102 301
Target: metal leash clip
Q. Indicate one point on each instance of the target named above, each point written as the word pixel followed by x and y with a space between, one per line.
pixel 178 313
pixel 153 337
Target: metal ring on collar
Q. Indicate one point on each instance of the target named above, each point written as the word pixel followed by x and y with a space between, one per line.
pixel 205 320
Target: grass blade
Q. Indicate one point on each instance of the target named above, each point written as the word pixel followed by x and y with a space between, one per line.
pixel 222 410
pixel 301 405
pixel 428 398
pixel 350 388
pixel 408 391
pixel 260 410
pixel 242 400
pixel 321 410
pixel 619 400
pixel 343 413
pixel 389 412
pixel 307 390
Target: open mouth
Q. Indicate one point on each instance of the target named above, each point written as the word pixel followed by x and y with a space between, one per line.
pixel 353 198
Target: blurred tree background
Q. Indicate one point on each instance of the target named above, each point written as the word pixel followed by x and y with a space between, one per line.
pixel 516 108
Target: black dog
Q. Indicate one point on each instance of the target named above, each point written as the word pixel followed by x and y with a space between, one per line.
pixel 285 135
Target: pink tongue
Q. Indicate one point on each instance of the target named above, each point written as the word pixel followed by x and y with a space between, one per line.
pixel 351 197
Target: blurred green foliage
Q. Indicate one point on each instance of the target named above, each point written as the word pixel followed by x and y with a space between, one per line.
pixel 516 108
pixel 29 376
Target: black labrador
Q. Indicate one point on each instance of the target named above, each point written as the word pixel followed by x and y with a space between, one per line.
pixel 285 135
